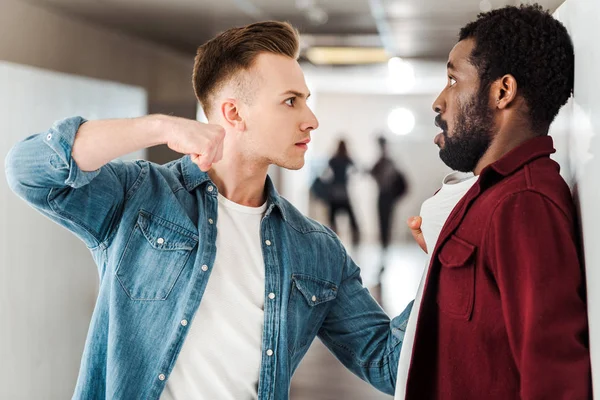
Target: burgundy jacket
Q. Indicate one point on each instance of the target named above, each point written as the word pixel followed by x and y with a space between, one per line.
pixel 503 314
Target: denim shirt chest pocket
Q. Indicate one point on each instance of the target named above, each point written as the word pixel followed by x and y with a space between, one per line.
pixel 156 252
pixel 308 304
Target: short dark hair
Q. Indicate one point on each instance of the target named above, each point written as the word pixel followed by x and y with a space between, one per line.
pixel 529 44
pixel 234 50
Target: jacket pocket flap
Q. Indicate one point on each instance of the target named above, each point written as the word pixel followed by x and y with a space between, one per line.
pixel 165 235
pixel 314 290
pixel 456 252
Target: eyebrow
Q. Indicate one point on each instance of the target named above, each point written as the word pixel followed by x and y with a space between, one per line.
pixel 450 66
pixel 297 94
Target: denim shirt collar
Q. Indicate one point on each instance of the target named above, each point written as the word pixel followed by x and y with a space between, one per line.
pixel 194 177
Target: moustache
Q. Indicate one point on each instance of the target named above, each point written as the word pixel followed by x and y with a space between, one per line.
pixel 440 123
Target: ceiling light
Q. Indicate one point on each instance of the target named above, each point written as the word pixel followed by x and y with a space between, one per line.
pixel 394 63
pixel 401 121
pixel 346 55
pixel 401 74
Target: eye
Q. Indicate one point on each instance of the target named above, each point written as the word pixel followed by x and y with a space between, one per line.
pixel 290 102
pixel 451 81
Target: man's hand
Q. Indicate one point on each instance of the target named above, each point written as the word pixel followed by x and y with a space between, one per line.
pixel 414 223
pixel 203 142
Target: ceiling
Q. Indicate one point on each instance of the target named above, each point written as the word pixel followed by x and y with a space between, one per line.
pixel 405 28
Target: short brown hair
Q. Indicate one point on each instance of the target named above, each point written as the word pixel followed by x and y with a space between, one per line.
pixel 234 50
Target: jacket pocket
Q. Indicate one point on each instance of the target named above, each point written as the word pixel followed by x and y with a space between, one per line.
pixel 456 289
pixel 307 308
pixel 155 255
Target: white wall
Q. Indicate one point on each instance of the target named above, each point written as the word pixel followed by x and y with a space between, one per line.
pixel 48 281
pixel 579 123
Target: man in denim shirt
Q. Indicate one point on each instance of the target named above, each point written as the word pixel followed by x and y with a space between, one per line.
pixel 161 328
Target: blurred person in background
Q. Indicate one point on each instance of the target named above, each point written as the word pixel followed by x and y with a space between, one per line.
pixel 212 285
pixel 392 187
pixel 338 199
pixel 501 310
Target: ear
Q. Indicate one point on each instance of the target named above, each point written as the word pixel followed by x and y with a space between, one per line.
pixel 504 91
pixel 230 111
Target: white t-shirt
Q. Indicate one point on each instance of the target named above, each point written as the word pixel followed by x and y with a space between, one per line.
pixel 434 213
pixel 221 355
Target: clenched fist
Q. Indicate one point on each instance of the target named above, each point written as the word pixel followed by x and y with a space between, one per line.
pixel 203 142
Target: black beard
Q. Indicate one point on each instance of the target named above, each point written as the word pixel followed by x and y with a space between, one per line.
pixel 472 135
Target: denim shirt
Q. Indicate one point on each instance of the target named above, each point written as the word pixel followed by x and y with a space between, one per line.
pixel 152 231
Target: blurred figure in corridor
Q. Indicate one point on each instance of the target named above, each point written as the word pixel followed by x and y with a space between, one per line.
pixel 392 187
pixel 338 199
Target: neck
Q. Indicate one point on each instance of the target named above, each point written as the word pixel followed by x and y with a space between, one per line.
pixel 239 180
pixel 508 138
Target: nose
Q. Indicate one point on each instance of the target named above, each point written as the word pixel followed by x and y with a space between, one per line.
pixel 311 122
pixel 439 104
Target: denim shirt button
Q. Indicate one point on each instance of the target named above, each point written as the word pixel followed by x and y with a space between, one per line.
pixel 268 242
pixel 161 377
pixel 271 296
pixel 49 136
pixel 160 240
pixel 210 221
pixel 269 352
pixel 184 322
pixel 314 298
pixel 210 188
pixel 205 268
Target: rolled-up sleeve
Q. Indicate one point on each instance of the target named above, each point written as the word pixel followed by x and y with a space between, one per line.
pixel 50 164
pixel 42 172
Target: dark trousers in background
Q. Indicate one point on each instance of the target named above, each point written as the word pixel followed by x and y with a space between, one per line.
pixel 334 209
pixel 385 208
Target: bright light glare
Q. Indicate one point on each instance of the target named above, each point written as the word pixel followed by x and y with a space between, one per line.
pixel 401 74
pixel 401 121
